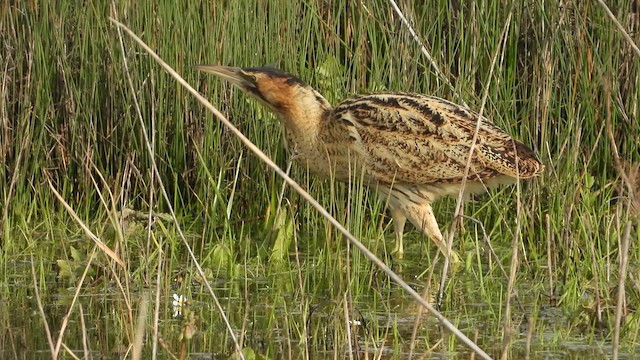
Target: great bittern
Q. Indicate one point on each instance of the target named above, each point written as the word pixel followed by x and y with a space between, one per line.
pixel 413 148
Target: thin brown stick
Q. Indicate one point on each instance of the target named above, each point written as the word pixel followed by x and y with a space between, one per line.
pixel 141 322
pixel 117 219
pixel 83 327
pixel 105 249
pixel 416 323
pixel 70 352
pixel 530 325
pixel 65 319
pixel 620 304
pixel 425 52
pixel 596 279
pixel 385 336
pixel 165 195
pixel 515 262
pixel 301 284
pixel 52 347
pixel 475 338
pixel 347 323
pixel 624 246
pixel 624 32
pixel 459 201
pixel 156 308
pixel 487 241
pixel 550 258
pixel 245 316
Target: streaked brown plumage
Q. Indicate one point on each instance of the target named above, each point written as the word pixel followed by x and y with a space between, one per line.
pixel 413 148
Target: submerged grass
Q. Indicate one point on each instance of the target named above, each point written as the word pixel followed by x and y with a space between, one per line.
pixel 291 286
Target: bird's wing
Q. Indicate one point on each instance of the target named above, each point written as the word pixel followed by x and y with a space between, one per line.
pixel 411 138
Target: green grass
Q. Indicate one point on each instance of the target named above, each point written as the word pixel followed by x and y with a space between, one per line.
pixel 281 272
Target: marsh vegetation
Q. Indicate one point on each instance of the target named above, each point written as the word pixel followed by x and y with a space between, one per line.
pixel 98 233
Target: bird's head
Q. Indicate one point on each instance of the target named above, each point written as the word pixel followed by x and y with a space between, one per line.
pixel 284 93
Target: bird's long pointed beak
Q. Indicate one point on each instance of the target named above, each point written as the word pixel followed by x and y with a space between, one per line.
pixel 234 75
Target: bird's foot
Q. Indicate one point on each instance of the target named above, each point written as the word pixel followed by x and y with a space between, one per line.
pixel 398 252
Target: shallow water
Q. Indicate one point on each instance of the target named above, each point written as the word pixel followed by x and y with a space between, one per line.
pixel 282 319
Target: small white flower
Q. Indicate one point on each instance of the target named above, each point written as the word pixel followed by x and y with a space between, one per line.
pixel 178 304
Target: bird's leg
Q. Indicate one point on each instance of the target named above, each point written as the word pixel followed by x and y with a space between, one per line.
pixel 398 228
pixel 422 217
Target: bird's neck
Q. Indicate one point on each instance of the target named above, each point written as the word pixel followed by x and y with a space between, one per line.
pixel 304 114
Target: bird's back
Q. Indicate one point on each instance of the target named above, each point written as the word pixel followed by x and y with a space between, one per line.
pixel 415 139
